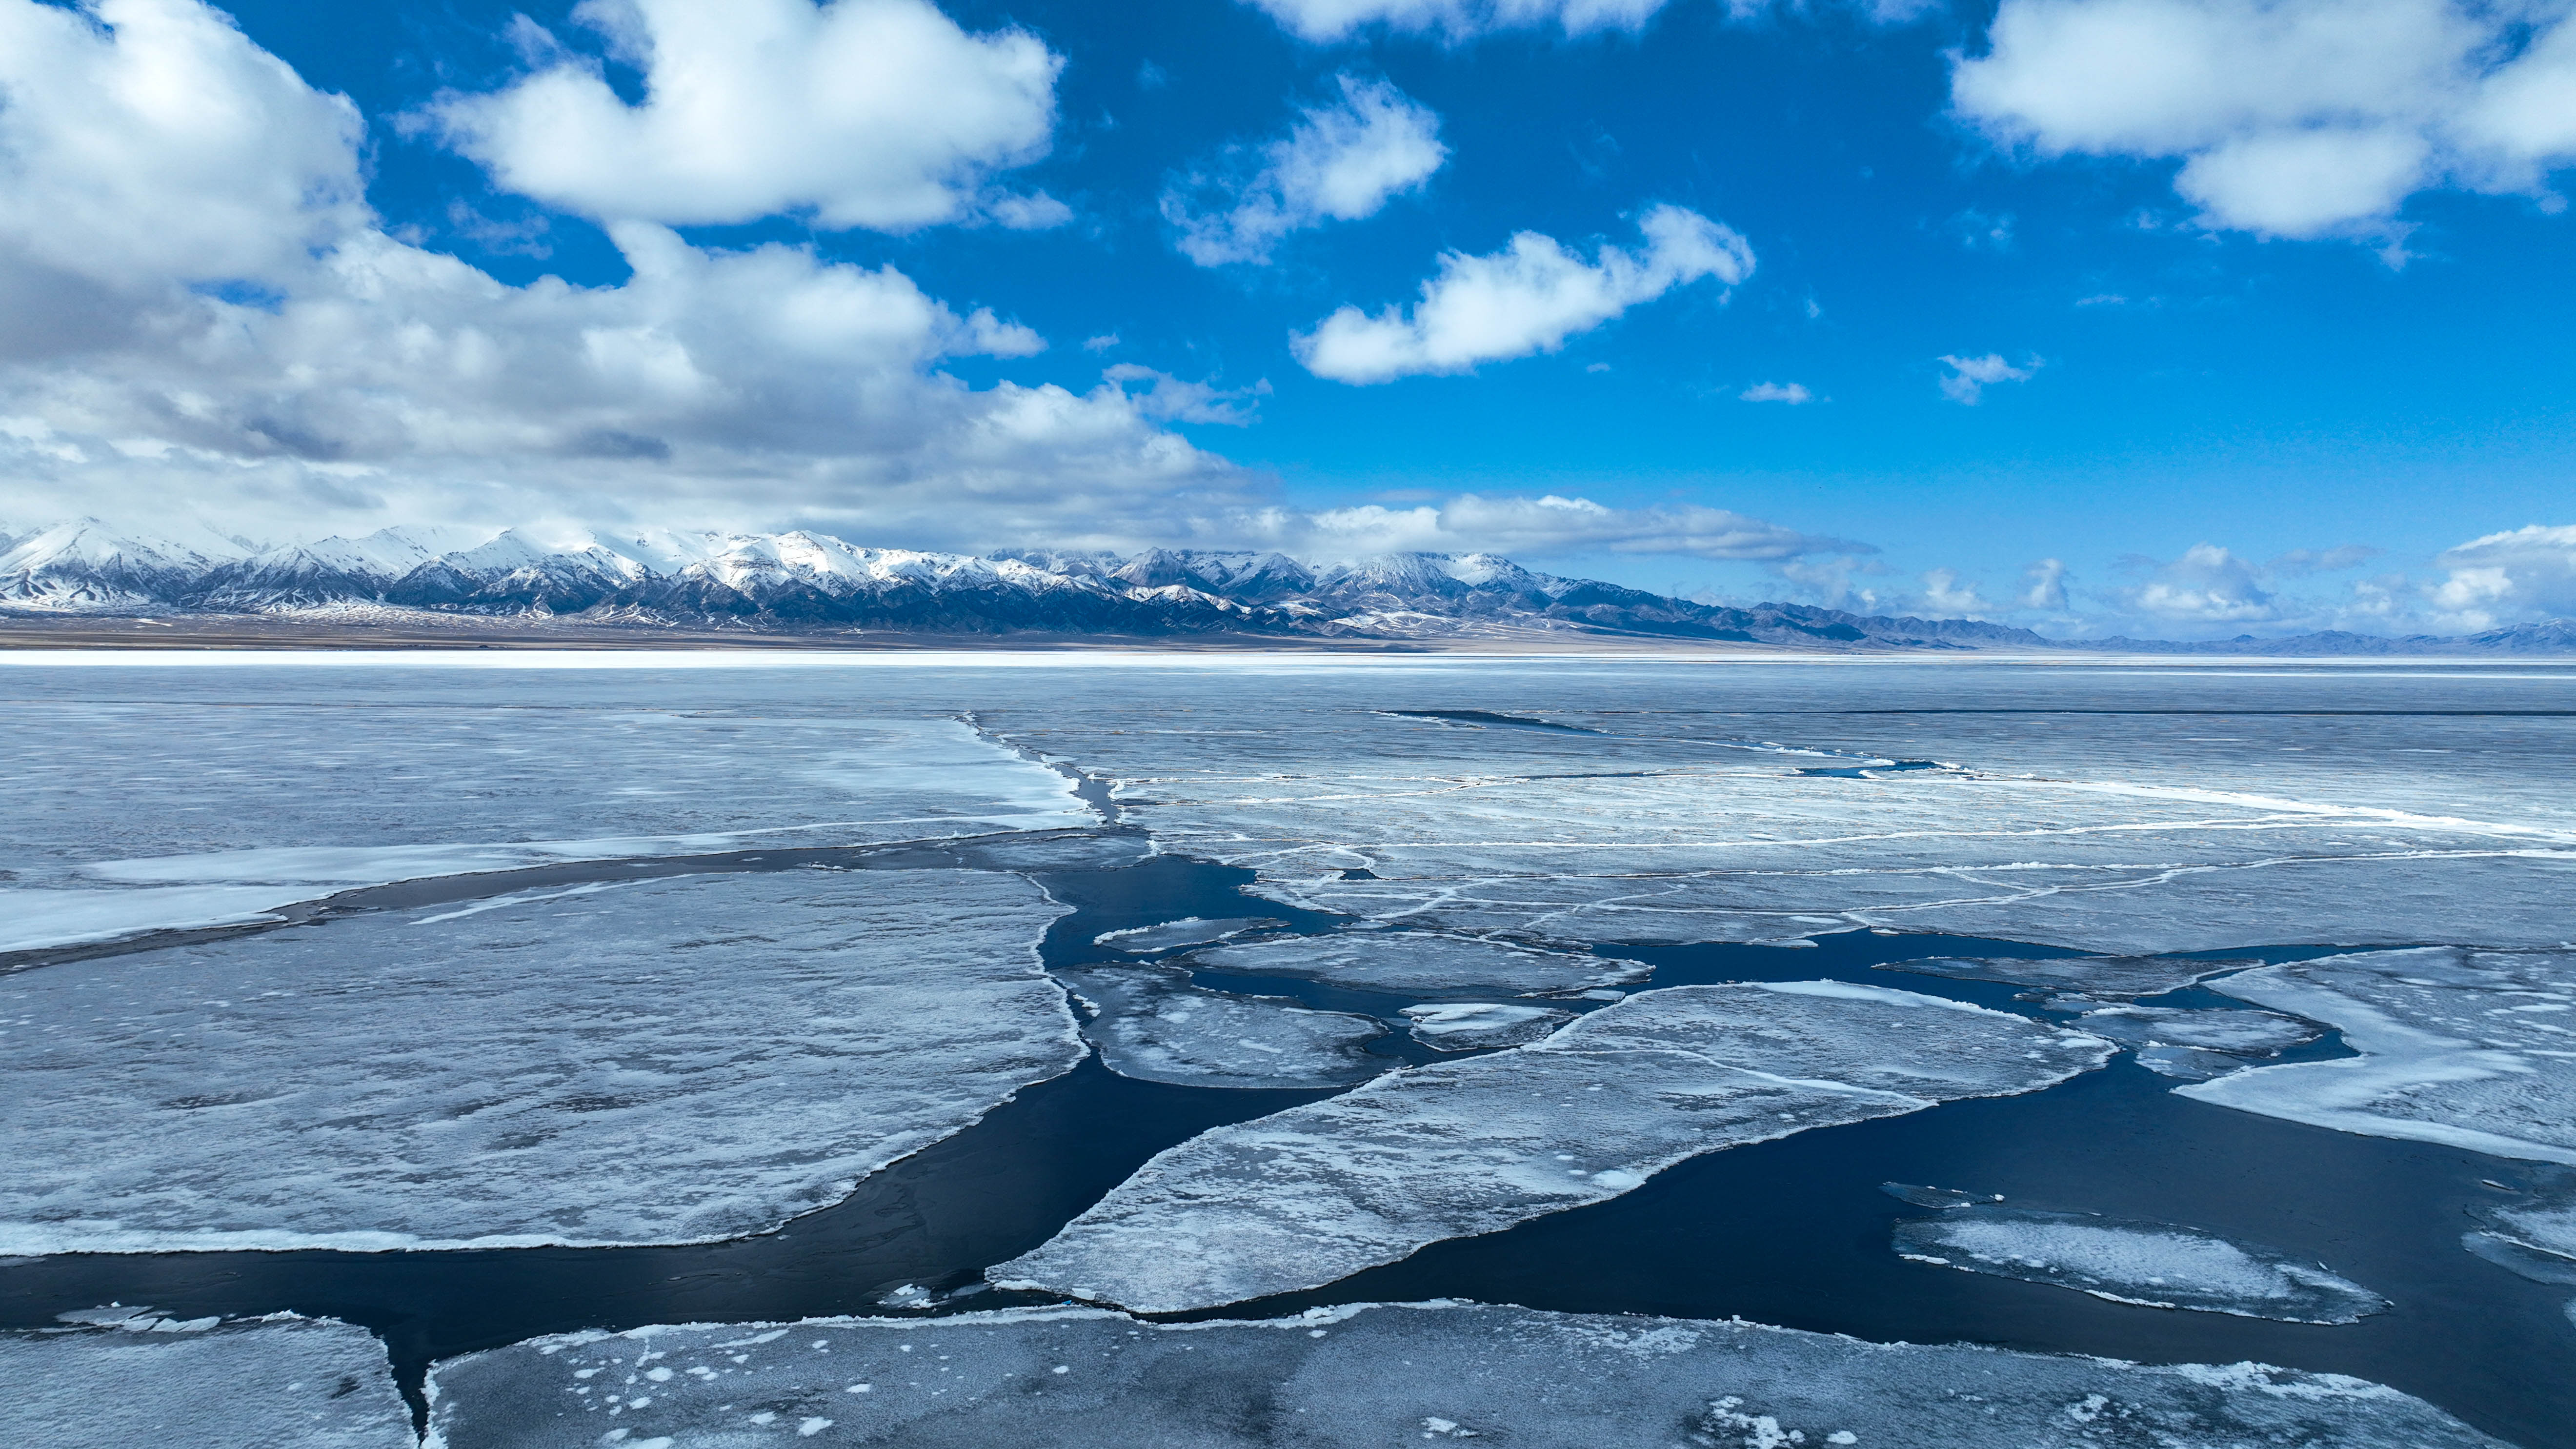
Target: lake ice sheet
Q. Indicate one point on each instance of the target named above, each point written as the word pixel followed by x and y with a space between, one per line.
pixel 1417 963
pixel 1313 1194
pixel 668 1061
pixel 1153 1024
pixel 1380 1374
pixel 132 818
pixel 2473 1049
pixel 304 1383
pixel 2156 1265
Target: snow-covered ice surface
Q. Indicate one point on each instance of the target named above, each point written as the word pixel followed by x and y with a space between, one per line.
pixel 287 1383
pixel 2105 977
pixel 2237 1033
pixel 1417 963
pixel 133 818
pixel 1381 1375
pixel 1475 1025
pixel 2158 1265
pixel 1152 1023
pixel 1188 931
pixel 1313 1194
pixel 2473 1049
pixel 665 1061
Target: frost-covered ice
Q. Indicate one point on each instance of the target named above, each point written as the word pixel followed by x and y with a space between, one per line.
pixel 2104 977
pixel 1311 1195
pixel 1188 931
pixel 676 1060
pixel 2473 1049
pixel 1152 1023
pixel 1475 1025
pixel 2534 1237
pixel 271 1384
pixel 1417 963
pixel 2157 1265
pixel 169 817
pixel 1380 1375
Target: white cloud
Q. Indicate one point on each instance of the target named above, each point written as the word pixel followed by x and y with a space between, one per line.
pixel 2207 585
pixel 1528 298
pixel 1549 525
pixel 1791 393
pixel 1329 20
pixel 1341 161
pixel 1169 399
pixel 867 113
pixel 1969 377
pixel 2292 118
pixel 2503 578
pixel 1944 597
pixel 2043 585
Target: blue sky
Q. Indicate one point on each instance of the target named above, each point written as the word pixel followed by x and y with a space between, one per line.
pixel 2183 317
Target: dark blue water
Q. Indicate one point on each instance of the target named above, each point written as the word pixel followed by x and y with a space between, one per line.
pixel 1793 1232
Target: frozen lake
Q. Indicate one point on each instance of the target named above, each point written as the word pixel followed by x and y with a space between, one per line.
pixel 477 1001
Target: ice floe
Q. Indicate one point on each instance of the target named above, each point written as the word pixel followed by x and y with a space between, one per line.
pixel 1313 1194
pixel 1150 1022
pixel 2536 1237
pixel 2197 1045
pixel 171 817
pixel 2107 978
pixel 1379 1374
pixel 674 1060
pixel 2156 1265
pixel 1187 931
pixel 1417 963
pixel 264 1384
pixel 2472 1049
pixel 1475 1025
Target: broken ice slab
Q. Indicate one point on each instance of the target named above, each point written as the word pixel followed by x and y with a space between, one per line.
pixel 2472 1049
pixel 677 1060
pixel 2154 1265
pixel 1936 1197
pixel 2536 1237
pixel 1419 963
pixel 1187 931
pixel 1476 1025
pixel 1378 1375
pixel 309 1383
pixel 1154 1025
pixel 1313 1194
pixel 2238 1033
pixel 2189 1064
pixel 2096 977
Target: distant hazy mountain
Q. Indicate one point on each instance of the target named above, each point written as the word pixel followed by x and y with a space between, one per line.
pixel 814 583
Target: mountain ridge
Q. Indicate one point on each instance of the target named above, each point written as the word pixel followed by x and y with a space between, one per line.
pixel 806 583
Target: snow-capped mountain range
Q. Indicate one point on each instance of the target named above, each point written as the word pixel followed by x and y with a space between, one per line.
pixel 804 582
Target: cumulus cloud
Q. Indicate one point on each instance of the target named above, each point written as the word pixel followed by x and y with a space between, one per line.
pixel 1945 597
pixel 863 113
pixel 2207 585
pixel 2043 585
pixel 1527 298
pixel 2503 578
pixel 1340 162
pixel 233 332
pixel 1969 377
pixel 1791 393
pixel 1548 525
pixel 2291 118
pixel 1330 20
pixel 1171 399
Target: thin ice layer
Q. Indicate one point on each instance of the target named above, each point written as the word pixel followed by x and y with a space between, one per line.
pixel 1379 1375
pixel 1316 1193
pixel 2092 976
pixel 301 1382
pixel 1151 1023
pixel 2157 1265
pixel 671 1061
pixel 2473 1049
pixel 1417 963
pixel 2533 1236
pixel 171 817
pixel 1477 1025
pixel 2237 1033
pixel 1187 931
